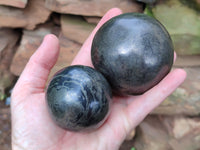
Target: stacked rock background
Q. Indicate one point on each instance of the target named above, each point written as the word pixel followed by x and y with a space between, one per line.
pixel 174 125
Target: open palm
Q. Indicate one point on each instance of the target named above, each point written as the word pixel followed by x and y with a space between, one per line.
pixel 33 129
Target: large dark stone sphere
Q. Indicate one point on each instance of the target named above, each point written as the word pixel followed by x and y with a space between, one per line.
pixel 133 51
pixel 78 98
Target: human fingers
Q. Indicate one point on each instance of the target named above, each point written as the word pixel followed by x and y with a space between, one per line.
pixel 141 106
pixel 175 56
pixel 84 56
pixel 35 74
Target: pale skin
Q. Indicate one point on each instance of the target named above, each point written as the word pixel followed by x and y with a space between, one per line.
pixel 32 127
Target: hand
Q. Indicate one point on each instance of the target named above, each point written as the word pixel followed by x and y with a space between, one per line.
pixel 33 129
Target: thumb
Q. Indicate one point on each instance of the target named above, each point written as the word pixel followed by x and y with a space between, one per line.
pixel 35 74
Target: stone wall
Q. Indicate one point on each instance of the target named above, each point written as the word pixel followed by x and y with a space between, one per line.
pixel 24 23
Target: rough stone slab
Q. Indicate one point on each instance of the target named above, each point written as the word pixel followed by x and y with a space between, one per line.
pixel 152 135
pixel 14 3
pixel 181 19
pixel 194 4
pixel 186 99
pixel 183 24
pixel 182 126
pixel 188 61
pixel 93 20
pixel 92 7
pixel 147 1
pixel 35 13
pixel 76 28
pixel 186 44
pixel 8 40
pixel 168 133
pixel 31 41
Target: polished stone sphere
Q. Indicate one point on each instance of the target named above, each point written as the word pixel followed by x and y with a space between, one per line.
pixel 133 51
pixel 78 98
